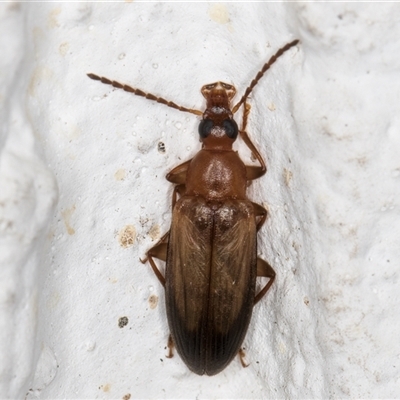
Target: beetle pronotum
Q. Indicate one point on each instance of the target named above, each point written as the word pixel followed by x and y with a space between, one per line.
pixel 211 248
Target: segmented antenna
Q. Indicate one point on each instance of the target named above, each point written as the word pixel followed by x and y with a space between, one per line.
pixel 262 72
pixel 139 92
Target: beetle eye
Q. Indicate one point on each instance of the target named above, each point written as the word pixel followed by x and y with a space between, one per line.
pixel 231 128
pixel 205 127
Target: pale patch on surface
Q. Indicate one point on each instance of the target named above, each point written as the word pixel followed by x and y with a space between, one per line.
pixel 120 174
pixel 127 236
pixel 219 13
pixel 153 301
pixel 67 215
pixel 105 388
pixel 287 174
pixel 155 232
pixel 53 18
pixel 63 49
pixel 39 75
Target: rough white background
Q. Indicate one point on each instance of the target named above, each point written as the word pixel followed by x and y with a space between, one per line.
pixel 79 162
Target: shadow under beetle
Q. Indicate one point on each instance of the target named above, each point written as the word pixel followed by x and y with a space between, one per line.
pixel 211 248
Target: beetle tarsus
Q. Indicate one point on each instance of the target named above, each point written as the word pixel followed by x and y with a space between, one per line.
pixel 170 346
pixel 242 356
pixel 266 271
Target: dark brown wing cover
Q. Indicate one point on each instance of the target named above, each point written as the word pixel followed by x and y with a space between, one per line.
pixel 210 280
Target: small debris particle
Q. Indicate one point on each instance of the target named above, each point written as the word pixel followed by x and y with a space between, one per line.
pixel 90 345
pixel 105 388
pixel 153 301
pixel 306 301
pixel 123 321
pixel 127 397
pixel 161 147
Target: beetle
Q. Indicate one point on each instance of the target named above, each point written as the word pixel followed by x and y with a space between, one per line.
pixel 211 248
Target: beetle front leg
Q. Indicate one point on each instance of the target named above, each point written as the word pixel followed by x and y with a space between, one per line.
pixel 158 251
pixel 264 270
pixel 252 171
pixel 178 174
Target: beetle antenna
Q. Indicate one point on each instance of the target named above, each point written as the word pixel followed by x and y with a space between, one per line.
pixel 262 72
pixel 139 92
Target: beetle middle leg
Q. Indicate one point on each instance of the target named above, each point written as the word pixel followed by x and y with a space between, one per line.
pixel 177 176
pixel 158 251
pixel 266 271
pixel 261 212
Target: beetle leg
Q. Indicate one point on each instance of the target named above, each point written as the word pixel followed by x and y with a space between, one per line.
pixel 261 212
pixel 170 346
pixel 178 190
pixel 252 171
pixel 158 251
pixel 265 270
pixel 178 174
pixel 242 356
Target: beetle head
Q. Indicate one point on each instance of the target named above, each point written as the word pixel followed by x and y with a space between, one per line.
pixel 218 94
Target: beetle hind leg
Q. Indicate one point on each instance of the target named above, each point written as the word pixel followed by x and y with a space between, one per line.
pixel 264 270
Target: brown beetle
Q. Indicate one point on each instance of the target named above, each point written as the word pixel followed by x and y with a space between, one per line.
pixel 211 248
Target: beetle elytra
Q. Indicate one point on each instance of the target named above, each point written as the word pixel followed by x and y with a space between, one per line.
pixel 211 248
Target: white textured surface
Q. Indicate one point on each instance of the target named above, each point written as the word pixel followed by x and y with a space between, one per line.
pixel 326 120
